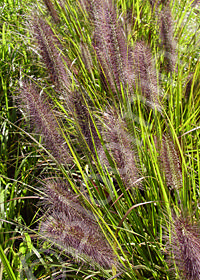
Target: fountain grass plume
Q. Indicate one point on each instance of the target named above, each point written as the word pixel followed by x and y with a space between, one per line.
pixel 169 162
pixel 186 247
pixel 72 227
pixel 167 40
pixel 52 11
pixel 86 54
pixel 85 127
pixel 145 73
pixel 44 121
pixel 120 146
pixel 111 49
pixel 58 195
pixel 121 67
pixel 166 32
pixel 51 51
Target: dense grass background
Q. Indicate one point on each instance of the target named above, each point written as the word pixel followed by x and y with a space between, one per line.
pixel 140 217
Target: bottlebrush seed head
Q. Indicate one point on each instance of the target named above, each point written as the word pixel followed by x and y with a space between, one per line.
pixel 169 162
pixel 51 51
pixel 120 147
pixel 73 228
pixel 44 121
pixel 186 247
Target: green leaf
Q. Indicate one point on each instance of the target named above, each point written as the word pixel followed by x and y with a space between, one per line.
pixel 6 265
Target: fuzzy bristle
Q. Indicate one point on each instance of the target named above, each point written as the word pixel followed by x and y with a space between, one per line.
pixel 85 125
pixel 73 228
pixel 86 54
pixel 52 11
pixel 120 147
pixel 58 196
pixel 51 51
pixel 44 121
pixel 186 247
pixel 145 73
pixel 167 41
pixel 169 162
pixel 111 49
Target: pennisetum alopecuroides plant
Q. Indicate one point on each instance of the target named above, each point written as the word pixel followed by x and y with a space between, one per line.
pixel 89 140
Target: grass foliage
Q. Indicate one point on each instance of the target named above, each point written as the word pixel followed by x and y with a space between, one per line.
pixel 100 164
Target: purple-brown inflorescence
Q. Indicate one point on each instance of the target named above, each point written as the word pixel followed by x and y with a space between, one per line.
pixel 86 54
pixel 73 228
pixel 110 46
pixel 51 51
pixel 52 10
pixel 58 196
pixel 167 40
pixel 43 118
pixel 169 162
pixel 166 32
pixel 186 247
pixel 120 146
pixel 145 73
pixel 121 67
pixel 85 125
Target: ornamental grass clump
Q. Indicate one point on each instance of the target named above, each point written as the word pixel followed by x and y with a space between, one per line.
pixel 119 152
